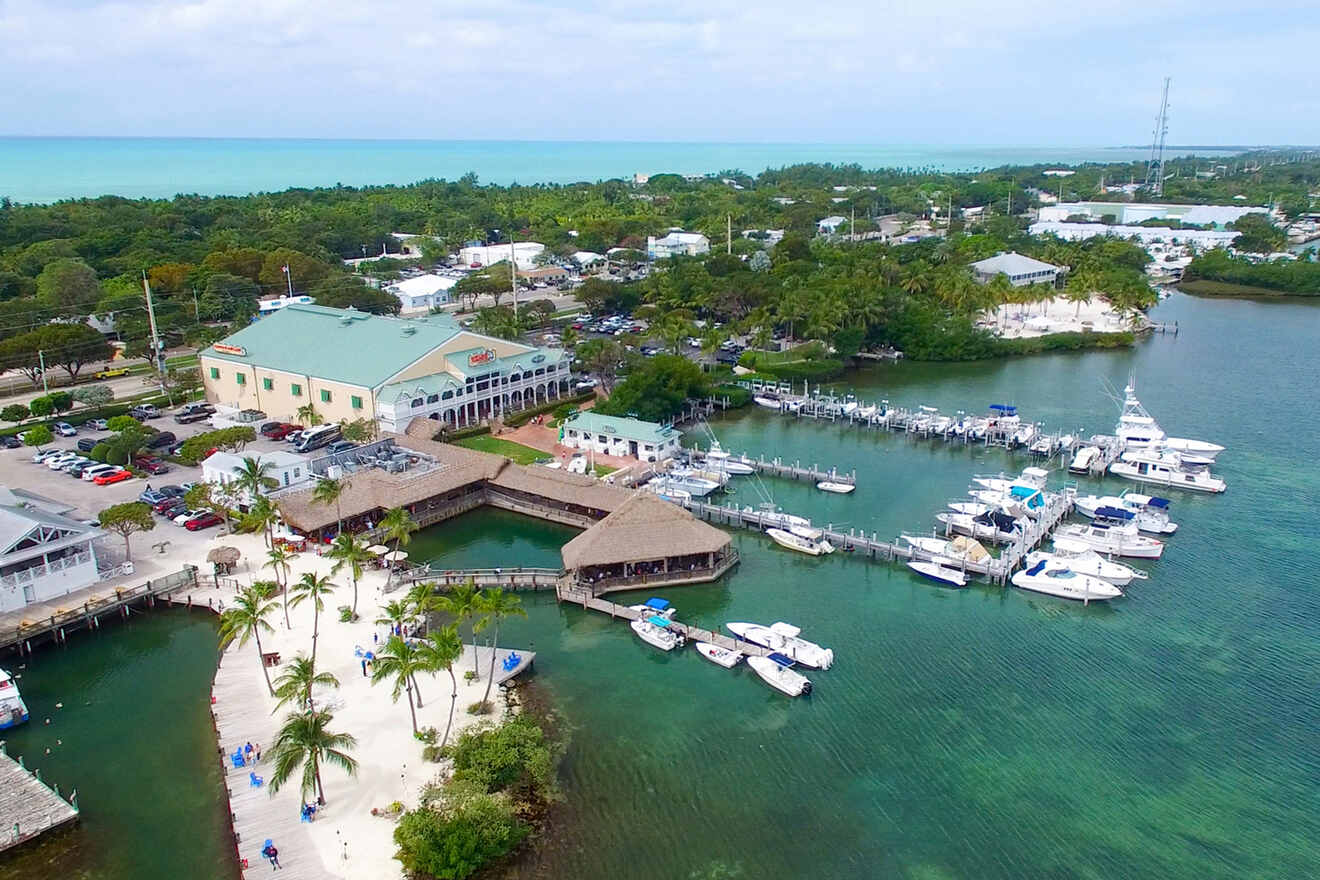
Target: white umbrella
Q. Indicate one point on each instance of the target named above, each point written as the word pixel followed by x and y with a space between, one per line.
pixel 378 549
pixel 396 556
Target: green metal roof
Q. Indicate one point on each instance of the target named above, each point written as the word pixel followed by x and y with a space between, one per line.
pixel 435 383
pixel 633 429
pixel 342 345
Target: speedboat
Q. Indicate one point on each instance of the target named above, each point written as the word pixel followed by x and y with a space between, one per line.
pixel 774 671
pixel 939 569
pixel 1042 447
pixel 1166 469
pixel 971 508
pixel 959 549
pixel 13 711
pixel 661 486
pixel 1055 578
pixel 1083 560
pixel 769 516
pixel 719 460
pixel 800 543
pixel 835 486
pixel 993 525
pixel 1137 430
pixel 695 487
pixel 1084 459
pixel 783 637
pixel 1149 513
pixel 1112 540
pixel 655 631
pixel 655 606
pixel 713 475
pixel 719 656
pixel 768 402
pixel 1019 501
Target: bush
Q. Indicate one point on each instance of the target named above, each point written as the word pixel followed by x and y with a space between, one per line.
pixel 433 753
pixel 479 708
pixel 15 412
pixel 455 840
pixel 512 757
pixel 463 433
pixel 738 396
pixel 522 417
pixel 346 614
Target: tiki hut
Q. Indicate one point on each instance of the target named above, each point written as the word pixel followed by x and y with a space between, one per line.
pixel 223 559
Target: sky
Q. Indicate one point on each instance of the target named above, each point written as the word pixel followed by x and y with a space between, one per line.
pixel 948 71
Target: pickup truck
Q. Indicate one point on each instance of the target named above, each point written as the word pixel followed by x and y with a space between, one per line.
pixel 193 412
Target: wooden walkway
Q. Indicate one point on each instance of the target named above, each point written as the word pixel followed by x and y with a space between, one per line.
pixel 690 632
pixel 794 470
pixel 29 807
pixel 505 578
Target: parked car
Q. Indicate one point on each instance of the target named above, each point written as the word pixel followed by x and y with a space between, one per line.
pixel 64 429
pixel 205 521
pixel 340 446
pixel 193 412
pixel 278 430
pixel 76 469
pixel 294 437
pixel 151 465
pixel 55 462
pixel 164 438
pixel 114 477
pixel 42 454
pixel 91 472
pixel 164 493
pixel 171 507
pixel 110 373
pixel 87 444
pixel 144 411
pixel 96 425
pixel 182 519
pixel 9 441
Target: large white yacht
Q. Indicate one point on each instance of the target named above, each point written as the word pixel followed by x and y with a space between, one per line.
pixel 1149 513
pixel 1055 578
pixel 1112 540
pixel 1082 559
pixel 784 638
pixel 1166 469
pixel 1137 429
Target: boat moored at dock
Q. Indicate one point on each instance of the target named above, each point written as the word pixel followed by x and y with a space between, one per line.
pixel 1166 469
pixel 801 543
pixel 13 711
pixel 785 639
pixel 719 656
pixel 1054 578
pixel 1113 540
pixel 1083 560
pixel 774 671
pixel 655 631
pixel 836 487
pixel 1149 513
pixel 940 570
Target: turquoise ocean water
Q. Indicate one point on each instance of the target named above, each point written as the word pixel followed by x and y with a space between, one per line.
pixel 49 169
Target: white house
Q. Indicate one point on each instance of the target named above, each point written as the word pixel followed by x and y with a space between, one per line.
pixel 677 243
pixel 1132 213
pixel 1020 270
pixel 270 306
pixel 626 438
pixel 830 225
pixel 286 468
pixel 524 254
pixel 44 554
pixel 423 291
pixel 1147 235
pixel 587 258
pixel 767 237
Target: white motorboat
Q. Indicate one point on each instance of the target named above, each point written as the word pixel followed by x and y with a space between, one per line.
pixel 1137 429
pixel 971 508
pixel 1083 560
pixel 939 569
pixel 714 475
pixel 1042 447
pixel 577 465
pixel 1112 540
pixel 993 525
pixel 1013 504
pixel 1148 512
pixel 1054 577
pixel 784 638
pixel 835 486
pixel 775 672
pixel 866 412
pixel 13 711
pixel 810 532
pixel 660 486
pixel 1084 459
pixel 1025 435
pixel 1166 469
pixel 655 607
pixel 800 543
pixel 655 631
pixel 719 656
pixel 768 402
pixel 719 460
pixel 958 549
pixel 696 487
pixel 771 517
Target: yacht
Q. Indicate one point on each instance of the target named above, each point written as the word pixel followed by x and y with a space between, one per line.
pixel 695 487
pixel 783 637
pixel 959 549
pixel 1166 469
pixel 1083 560
pixel 655 631
pixel 719 460
pixel 1148 512
pixel 774 671
pixel 1137 429
pixel 993 525
pixel 939 569
pixel 1112 540
pixel 971 508
pixel 1084 459
pixel 13 711
pixel 1020 501
pixel 719 656
pixel 771 517
pixel 835 486
pixel 660 486
pixel 1055 578
pixel 800 543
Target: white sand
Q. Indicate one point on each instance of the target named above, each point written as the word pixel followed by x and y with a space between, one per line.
pixel 1055 315
pixel 390 758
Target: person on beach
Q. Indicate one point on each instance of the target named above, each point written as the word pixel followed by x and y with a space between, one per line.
pixel 273 854
pixel 364 667
pixel 247 753
pixel 257 749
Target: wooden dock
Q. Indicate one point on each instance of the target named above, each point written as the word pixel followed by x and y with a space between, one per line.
pixel 28 806
pixel 795 470
pixel 504 578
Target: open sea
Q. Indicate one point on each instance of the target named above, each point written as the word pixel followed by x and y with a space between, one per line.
pixel 46 169
pixel 981 733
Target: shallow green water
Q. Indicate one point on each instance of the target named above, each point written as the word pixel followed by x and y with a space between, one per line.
pixel 979 733
pixel 134 737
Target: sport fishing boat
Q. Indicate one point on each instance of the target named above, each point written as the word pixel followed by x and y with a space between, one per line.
pixel 1137 429
pixel 13 711
pixel 657 606
pixel 719 656
pixel 1166 469
pixel 835 486
pixel 770 516
pixel 1148 512
pixel 719 460
pixel 800 543
pixel 1083 560
pixel 1055 578
pixel 655 631
pixel 939 569
pixel 695 487
pixel 1084 459
pixel 774 671
pixel 1112 540
pixel 784 638
pixel 660 486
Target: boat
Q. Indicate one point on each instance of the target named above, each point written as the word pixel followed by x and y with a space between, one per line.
pixel 835 486
pixel 577 464
pixel 1149 513
pixel 655 631
pixel 655 606
pixel 939 569
pixel 769 516
pixel 993 525
pixel 768 402
pixel 958 549
pixel 1166 469
pixel 713 475
pixel 800 543
pixel 784 638
pixel 719 656
pixel 1020 501
pixel 660 486
pixel 1084 459
pixel 1112 540
pixel 1053 577
pixel 774 671
pixel 719 460
pixel 1083 560
pixel 13 711
pixel 971 508
pixel 1137 429
pixel 809 532
pixel 695 487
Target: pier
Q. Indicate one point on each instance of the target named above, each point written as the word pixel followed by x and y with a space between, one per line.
pixel 795 470
pixel 28 806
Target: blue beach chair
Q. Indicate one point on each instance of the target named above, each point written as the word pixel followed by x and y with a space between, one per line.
pixel 254 780
pixel 237 758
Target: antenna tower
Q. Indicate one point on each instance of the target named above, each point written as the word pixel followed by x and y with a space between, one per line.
pixel 1155 166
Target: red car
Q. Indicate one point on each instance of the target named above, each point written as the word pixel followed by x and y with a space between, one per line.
pixel 280 431
pixel 152 465
pixel 113 477
pixel 205 521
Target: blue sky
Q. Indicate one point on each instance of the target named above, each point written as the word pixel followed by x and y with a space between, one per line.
pixel 957 71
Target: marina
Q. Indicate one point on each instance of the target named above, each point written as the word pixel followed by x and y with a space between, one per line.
pixel 28 806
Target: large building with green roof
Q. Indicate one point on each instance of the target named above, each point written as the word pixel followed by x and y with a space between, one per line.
pixel 624 437
pixel 352 365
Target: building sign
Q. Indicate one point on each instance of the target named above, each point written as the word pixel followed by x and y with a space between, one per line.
pixel 481 357
pixel 538 358
pixel 226 348
pixel 608 429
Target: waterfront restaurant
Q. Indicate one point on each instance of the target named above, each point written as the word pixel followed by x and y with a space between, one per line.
pixel 44 552
pixel 354 365
pixel 626 438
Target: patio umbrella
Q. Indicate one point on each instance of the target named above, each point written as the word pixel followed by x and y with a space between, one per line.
pixel 223 555
pixel 378 549
pixel 396 556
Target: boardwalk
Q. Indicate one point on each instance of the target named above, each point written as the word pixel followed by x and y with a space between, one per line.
pixel 29 807
pixel 794 470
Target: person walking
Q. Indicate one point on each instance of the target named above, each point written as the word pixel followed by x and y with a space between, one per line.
pixel 273 854
pixel 247 753
pixel 257 749
pixel 364 667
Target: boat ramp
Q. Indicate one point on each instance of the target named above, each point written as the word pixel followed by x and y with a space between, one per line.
pixel 28 806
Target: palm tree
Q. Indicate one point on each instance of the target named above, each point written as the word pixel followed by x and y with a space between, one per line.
pixel 422 599
pixel 296 682
pixel 308 415
pixel 440 650
pixel 350 551
pixel 463 604
pixel 329 491
pixel 498 605
pixel 262 514
pixel 398 527
pixel 311 587
pixel 279 558
pixel 400 660
pixel 246 619
pixel 306 741
pixel 253 476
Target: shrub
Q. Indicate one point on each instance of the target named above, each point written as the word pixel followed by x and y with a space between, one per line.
pixel 428 735
pixel 432 753
pixel 522 417
pixel 15 412
pixel 738 396
pixel 479 708
pixel 512 757
pixel 454 840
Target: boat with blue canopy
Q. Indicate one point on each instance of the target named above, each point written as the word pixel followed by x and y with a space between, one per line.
pixel 775 671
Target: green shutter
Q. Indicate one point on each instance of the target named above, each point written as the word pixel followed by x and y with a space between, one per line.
pixel 240 378
pixel 356 401
pixel 267 384
pixel 295 389
pixel 325 396
pixel 215 372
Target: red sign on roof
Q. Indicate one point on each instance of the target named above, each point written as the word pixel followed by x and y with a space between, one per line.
pixel 226 348
pixel 481 357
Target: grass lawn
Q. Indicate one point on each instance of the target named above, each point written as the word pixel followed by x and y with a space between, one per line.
pixel 1203 287
pixel 514 451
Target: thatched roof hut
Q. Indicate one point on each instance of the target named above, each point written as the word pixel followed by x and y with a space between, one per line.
pixel 223 555
pixel 644 528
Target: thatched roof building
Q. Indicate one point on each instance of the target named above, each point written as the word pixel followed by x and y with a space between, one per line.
pixel 645 528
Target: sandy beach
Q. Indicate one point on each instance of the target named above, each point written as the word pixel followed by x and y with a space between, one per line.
pixel 1056 315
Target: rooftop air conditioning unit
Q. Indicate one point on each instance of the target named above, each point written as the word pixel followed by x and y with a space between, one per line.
pixel 334 472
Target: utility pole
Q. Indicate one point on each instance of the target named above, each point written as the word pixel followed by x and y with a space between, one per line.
pixel 157 359
pixel 728 234
pixel 197 313
pixel 288 276
pixel 852 224
pixel 41 356
pixel 513 277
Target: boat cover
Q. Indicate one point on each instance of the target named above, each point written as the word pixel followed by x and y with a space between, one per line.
pixel 787 630
pixel 1115 513
pixel 1158 502
pixel 657 604
pixel 782 660
pixel 1036 569
pixel 970 548
pixel 1003 408
pixel 658 621
pixel 1001 521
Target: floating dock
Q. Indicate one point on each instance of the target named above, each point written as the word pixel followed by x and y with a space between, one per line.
pixel 29 807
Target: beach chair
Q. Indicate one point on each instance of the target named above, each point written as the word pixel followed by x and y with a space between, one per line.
pixel 254 780
pixel 237 758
